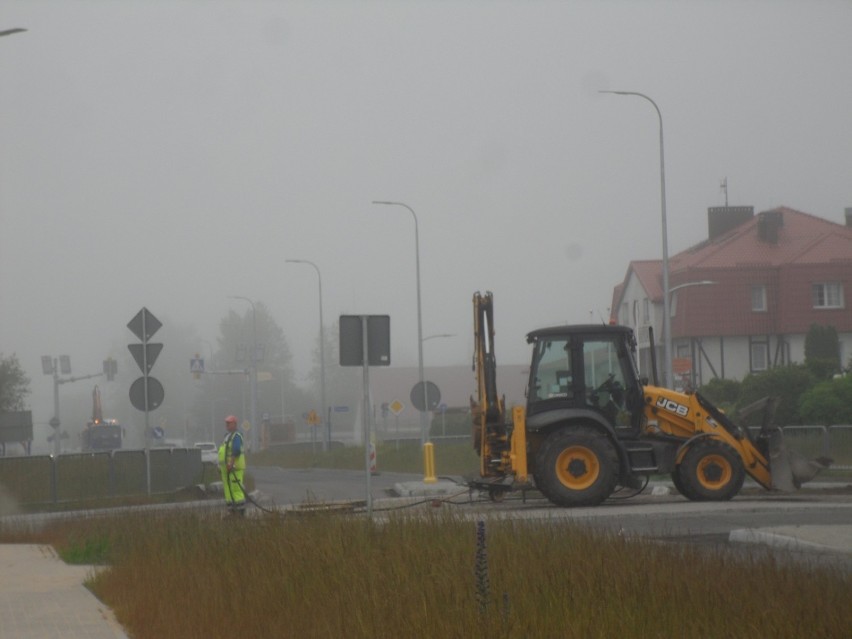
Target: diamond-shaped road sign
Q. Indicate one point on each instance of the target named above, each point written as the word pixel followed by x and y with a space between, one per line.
pixel 151 325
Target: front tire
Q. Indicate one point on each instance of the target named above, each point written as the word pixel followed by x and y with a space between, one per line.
pixel 710 471
pixel 577 466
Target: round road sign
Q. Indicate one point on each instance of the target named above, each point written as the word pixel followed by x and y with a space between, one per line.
pixel 156 394
pixel 420 392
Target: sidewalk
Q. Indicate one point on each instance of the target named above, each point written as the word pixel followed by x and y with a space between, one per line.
pixel 42 597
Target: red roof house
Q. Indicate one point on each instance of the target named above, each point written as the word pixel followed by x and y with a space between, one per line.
pixel 743 300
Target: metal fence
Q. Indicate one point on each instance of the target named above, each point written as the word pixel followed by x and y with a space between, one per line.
pixel 834 442
pixel 78 477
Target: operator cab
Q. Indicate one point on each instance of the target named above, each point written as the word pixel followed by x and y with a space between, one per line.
pixel 588 368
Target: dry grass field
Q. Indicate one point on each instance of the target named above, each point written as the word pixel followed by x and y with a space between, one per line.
pixel 433 574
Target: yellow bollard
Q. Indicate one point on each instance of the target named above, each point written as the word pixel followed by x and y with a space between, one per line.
pixel 429 463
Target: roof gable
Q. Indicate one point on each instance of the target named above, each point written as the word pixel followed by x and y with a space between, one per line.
pixel 648 273
pixel 801 238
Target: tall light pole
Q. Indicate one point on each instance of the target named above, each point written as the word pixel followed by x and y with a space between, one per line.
pixel 423 425
pixel 667 319
pixel 324 409
pixel 212 394
pixel 253 377
pixel 672 291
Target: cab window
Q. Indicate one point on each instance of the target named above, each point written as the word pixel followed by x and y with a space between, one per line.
pixel 553 374
pixel 605 388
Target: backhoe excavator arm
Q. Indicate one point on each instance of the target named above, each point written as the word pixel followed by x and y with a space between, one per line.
pixel 487 410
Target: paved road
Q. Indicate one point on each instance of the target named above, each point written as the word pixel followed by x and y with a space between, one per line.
pixel 286 487
pixel 816 521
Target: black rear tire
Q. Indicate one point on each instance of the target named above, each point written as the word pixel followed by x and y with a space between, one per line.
pixel 577 466
pixel 711 470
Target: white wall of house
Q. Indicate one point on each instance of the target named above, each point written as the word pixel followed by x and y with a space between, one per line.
pixel 734 351
pixel 737 354
pixel 638 312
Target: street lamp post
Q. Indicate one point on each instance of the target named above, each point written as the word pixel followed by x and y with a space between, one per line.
pixel 253 377
pixel 674 289
pixel 324 408
pixel 50 367
pixel 667 320
pixel 213 395
pixel 423 425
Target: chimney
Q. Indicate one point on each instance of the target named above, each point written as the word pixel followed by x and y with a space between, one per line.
pixel 721 219
pixel 768 224
pixel 849 216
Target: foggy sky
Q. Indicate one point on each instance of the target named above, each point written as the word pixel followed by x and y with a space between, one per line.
pixel 170 154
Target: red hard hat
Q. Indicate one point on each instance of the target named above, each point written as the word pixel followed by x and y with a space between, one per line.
pixel 230 419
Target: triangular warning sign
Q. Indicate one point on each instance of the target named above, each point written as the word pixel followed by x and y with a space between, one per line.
pixel 148 356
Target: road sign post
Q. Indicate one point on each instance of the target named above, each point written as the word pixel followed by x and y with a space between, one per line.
pixel 365 341
pixel 146 393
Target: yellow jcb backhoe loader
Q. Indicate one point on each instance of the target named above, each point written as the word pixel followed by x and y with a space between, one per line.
pixel 591 424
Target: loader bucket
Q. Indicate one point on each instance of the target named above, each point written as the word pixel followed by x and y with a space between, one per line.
pixel 789 468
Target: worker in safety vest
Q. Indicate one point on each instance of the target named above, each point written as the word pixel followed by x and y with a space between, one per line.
pixel 232 465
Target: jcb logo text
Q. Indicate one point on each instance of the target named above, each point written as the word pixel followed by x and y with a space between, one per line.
pixel 672 407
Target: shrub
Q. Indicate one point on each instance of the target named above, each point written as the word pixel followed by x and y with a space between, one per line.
pixel 828 402
pixel 822 351
pixel 787 383
pixel 724 393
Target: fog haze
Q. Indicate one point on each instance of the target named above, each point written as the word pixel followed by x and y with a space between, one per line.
pixel 173 154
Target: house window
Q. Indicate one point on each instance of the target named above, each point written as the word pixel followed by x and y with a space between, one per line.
pixel 759 356
pixel 828 295
pixel 758 297
pixel 646 311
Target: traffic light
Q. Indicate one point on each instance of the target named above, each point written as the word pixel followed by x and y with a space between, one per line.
pixel 110 368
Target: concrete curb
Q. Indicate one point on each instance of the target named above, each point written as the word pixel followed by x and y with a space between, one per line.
pixel 827 538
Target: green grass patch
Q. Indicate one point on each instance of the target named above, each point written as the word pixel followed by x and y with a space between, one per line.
pixel 85 551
